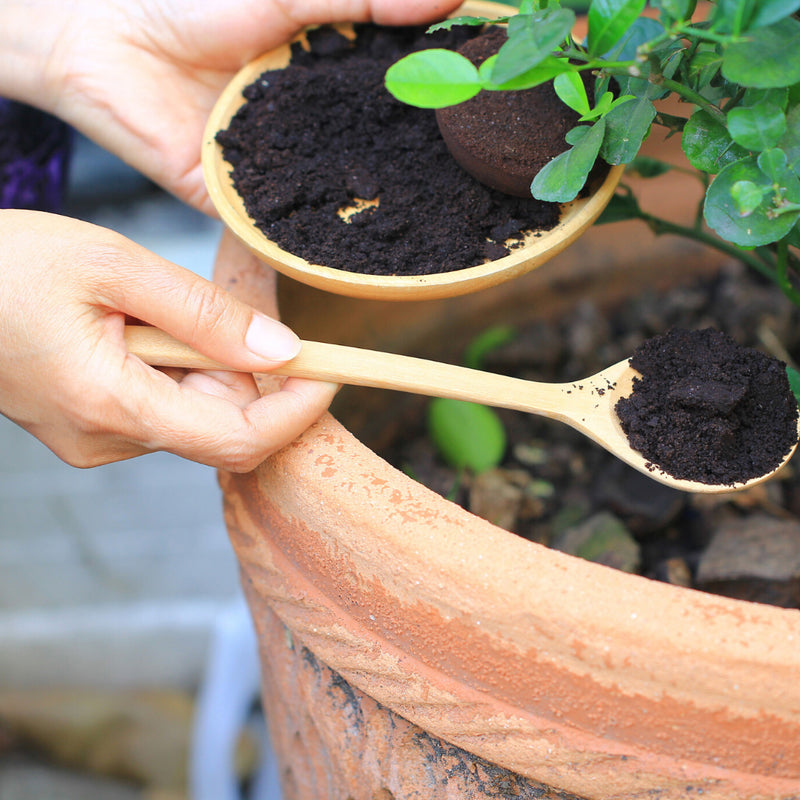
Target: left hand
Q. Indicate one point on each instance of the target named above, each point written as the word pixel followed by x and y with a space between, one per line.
pixel 140 78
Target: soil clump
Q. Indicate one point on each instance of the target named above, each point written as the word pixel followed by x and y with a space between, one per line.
pixel 323 135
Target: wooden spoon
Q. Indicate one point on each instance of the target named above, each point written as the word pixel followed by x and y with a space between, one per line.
pixel 586 405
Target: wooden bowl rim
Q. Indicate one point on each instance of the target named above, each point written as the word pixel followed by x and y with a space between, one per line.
pixel 539 248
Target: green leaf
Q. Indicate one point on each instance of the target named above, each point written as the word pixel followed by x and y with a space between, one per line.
pixel 543 72
pixel 767 58
pixel 794 382
pixel 648 167
pixel 604 105
pixel 608 22
pixel 621 207
pixel 732 16
pixel 672 123
pixel 742 16
pixel 447 24
pixel 768 12
pixel 574 135
pixel 756 127
pixel 639 32
pixel 569 87
pixel 531 39
pixel 627 127
pixel 704 65
pixel 467 435
pixel 560 180
pixel 778 97
pixel 793 237
pixel 773 163
pixel 707 144
pixel 433 78
pixel 758 227
pixel 487 341
pixel 747 197
pixel 790 141
pixel 676 9
pixel 642 31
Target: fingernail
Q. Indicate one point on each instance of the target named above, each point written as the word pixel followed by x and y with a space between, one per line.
pixel 270 339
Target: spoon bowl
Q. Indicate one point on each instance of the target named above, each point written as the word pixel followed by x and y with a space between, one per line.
pixel 586 405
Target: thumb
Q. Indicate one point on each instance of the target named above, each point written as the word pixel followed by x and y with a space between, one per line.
pixel 200 313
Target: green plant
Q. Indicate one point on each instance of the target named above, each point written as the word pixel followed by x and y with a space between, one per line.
pixel 737 69
pixel 468 435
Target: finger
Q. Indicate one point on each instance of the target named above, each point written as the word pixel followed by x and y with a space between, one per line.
pixel 211 427
pixel 238 440
pixel 195 311
pixel 287 18
pixel 390 12
pixel 238 388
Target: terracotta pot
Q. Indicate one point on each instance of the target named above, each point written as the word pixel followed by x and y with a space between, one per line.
pixel 563 673
pixel 410 649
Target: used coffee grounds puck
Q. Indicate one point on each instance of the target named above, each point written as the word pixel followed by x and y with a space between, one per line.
pixel 707 409
pixel 504 138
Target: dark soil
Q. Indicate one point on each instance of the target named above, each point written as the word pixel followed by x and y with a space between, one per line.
pixel 558 488
pixel 707 409
pixel 324 132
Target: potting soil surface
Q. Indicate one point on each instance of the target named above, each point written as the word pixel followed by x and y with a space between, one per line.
pixel 556 487
pixel 323 133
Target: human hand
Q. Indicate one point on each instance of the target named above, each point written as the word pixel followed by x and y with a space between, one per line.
pixel 66 376
pixel 140 78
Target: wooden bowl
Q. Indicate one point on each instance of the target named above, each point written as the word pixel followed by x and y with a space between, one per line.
pixel 538 247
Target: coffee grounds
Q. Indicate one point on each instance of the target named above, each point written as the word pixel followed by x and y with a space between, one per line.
pixel 315 137
pixel 707 409
pixel 505 138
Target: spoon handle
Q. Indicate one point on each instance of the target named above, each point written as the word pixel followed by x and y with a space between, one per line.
pixel 359 367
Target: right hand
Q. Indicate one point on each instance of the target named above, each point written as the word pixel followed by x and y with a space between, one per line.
pixel 66 289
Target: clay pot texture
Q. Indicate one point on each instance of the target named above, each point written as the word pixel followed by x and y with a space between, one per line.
pixel 588 680
pixel 569 674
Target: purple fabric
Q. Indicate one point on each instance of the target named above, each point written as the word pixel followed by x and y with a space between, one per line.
pixel 34 158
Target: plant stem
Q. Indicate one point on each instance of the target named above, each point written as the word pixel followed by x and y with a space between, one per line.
pixel 695 32
pixel 692 96
pixel 623 68
pixel 660 226
pixel 761 259
pixel 786 208
pixel 575 53
pixel 782 272
pixel 735 100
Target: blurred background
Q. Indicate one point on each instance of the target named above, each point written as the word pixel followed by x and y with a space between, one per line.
pixel 119 596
